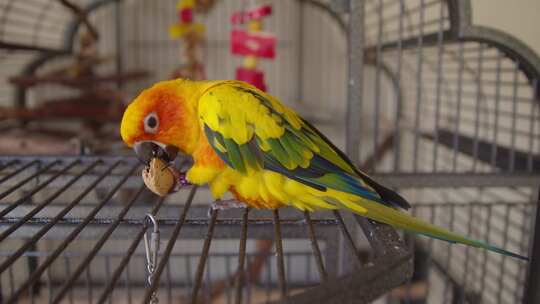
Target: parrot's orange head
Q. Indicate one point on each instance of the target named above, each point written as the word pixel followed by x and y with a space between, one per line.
pixel 162 119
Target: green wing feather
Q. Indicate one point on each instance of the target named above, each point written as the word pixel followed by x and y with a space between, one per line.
pixel 234 154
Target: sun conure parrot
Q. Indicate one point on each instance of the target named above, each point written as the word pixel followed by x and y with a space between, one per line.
pixel 245 141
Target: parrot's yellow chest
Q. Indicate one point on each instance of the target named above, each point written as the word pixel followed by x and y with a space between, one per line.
pixel 265 189
pixel 260 189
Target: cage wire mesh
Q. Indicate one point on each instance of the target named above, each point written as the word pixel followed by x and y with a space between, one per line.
pixel 448 116
pixel 463 107
pixel 88 251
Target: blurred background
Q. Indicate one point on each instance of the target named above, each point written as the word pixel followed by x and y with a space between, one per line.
pixel 437 99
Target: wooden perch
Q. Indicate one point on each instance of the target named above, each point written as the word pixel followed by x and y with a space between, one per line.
pixel 386 145
pixel 82 16
pixel 29 47
pixel 506 158
pixel 79 82
pixel 29 143
pixel 84 107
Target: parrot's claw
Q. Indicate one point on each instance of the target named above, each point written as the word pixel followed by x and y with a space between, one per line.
pixel 225 205
pixel 181 180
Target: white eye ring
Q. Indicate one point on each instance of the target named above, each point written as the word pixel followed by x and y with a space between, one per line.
pixel 151 123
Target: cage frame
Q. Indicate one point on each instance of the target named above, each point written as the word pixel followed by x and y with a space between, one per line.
pixel 461 29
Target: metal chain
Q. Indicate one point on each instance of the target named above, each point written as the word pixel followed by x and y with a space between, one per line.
pixel 151 246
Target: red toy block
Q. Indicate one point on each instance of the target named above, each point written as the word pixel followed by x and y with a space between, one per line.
pixel 252 14
pixel 254 77
pixel 186 15
pixel 258 44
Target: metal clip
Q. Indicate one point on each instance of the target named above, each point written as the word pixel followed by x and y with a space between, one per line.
pixel 151 246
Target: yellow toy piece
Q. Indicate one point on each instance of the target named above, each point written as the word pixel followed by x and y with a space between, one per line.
pixel 250 62
pixel 181 29
pixel 254 25
pixel 182 4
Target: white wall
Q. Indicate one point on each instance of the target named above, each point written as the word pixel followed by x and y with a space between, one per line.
pixel 518 18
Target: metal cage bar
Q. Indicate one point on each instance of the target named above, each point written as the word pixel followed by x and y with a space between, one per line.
pixel 89 173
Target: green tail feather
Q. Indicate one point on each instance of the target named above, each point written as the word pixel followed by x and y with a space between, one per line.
pixel 393 217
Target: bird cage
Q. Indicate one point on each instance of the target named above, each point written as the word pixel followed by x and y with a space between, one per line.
pixel 428 103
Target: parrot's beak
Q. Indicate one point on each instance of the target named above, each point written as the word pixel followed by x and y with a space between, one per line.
pixel 146 150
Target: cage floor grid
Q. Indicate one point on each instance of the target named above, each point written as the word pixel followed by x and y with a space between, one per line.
pixel 31 212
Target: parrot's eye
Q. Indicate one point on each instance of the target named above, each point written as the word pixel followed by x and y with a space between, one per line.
pixel 151 123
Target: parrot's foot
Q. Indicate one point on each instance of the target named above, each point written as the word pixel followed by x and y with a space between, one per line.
pixel 180 178
pixel 225 205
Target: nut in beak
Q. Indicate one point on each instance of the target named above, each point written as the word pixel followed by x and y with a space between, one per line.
pixel 159 177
